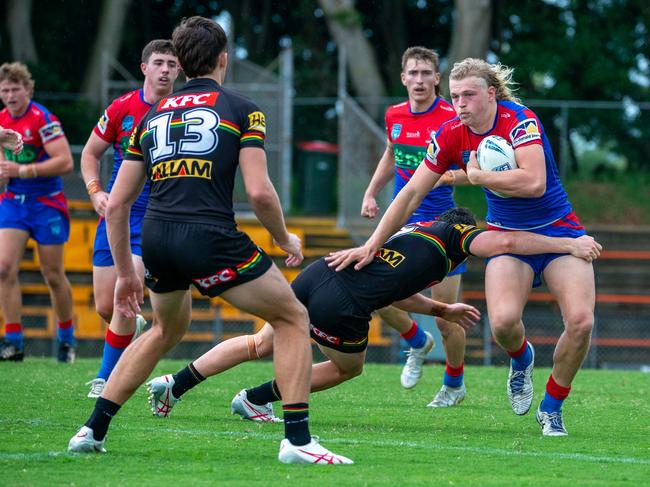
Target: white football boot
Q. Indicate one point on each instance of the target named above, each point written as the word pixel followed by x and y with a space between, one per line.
pixel 84 442
pixel 520 386
pixel 412 371
pixel 313 453
pixel 161 399
pixel 247 410
pixel 96 387
pixel 448 396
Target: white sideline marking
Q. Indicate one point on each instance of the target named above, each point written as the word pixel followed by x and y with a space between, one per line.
pixel 39 456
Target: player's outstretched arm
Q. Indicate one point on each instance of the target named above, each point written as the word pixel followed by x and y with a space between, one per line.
pixel 491 243
pixel 265 202
pixel 463 314
pixel 402 207
pixel 90 163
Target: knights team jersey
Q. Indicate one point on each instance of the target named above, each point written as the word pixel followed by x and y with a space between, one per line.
pixel 115 127
pixel 38 127
pixel 410 134
pixel 416 257
pixel 519 126
pixel 190 143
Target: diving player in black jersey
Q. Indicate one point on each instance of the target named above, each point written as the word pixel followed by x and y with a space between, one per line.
pixel 189 146
pixel 340 303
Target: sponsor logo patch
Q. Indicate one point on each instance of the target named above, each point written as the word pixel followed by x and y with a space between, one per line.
pixel 182 168
pixel 220 277
pixel 257 121
pixel 433 149
pixel 102 124
pixel 50 131
pixel 525 132
pixel 186 101
pixel 411 135
pixel 328 338
pixel 127 123
pixel 395 131
pixel 391 257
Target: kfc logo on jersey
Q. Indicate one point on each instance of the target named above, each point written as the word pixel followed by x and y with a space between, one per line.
pixel 328 338
pixel 222 276
pixel 186 101
pixel 525 132
pixel 50 131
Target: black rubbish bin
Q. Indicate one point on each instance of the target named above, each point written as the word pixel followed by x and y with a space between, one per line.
pixel 316 177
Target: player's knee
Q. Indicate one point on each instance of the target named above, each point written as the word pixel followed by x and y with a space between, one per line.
pixel 8 272
pixel 448 329
pixel 104 310
pixel 579 325
pixel 54 276
pixel 291 313
pixel 351 372
pixel 503 324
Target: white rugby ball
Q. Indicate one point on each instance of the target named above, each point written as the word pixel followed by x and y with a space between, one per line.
pixel 494 153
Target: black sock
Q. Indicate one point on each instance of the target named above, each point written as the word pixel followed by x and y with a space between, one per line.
pixel 267 392
pixel 101 417
pixel 296 423
pixel 185 379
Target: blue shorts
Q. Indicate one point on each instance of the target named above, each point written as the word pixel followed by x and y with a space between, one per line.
pixel 102 256
pixel 415 218
pixel 567 226
pixel 44 218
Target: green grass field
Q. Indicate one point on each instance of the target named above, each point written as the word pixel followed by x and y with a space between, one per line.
pixel 393 438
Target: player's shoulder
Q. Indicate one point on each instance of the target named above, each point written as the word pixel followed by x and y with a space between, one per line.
pixel 127 100
pixel 451 126
pixel 514 110
pixel 445 106
pixel 38 110
pixel 239 100
pixel 398 109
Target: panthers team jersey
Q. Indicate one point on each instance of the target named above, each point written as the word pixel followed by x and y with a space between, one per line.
pixel 519 126
pixel 190 142
pixel 38 127
pixel 115 127
pixel 416 257
pixel 410 133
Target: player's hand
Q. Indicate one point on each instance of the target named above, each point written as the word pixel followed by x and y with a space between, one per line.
pixel 9 169
pixel 340 259
pixel 293 247
pixel 129 295
pixel 472 168
pixel 99 201
pixel 586 248
pixel 463 314
pixel 12 140
pixel 369 207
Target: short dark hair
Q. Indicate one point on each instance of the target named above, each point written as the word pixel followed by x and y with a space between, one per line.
pixel 160 46
pixel 420 53
pixel 457 216
pixel 198 41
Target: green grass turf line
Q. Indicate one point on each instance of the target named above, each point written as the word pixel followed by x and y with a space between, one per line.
pixel 390 434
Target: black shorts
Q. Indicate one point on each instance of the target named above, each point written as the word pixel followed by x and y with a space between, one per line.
pixel 214 259
pixel 336 321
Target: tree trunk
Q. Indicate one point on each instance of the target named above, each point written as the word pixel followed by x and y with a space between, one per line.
pixel 344 23
pixel 107 45
pixel 19 25
pixel 470 35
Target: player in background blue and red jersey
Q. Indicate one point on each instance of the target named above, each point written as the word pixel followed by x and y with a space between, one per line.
pixel 409 126
pixel 33 206
pixel 535 201
pixel 160 68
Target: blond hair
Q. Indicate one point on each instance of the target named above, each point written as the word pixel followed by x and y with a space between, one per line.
pixel 497 75
pixel 17 73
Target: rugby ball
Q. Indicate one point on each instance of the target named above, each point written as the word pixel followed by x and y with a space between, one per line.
pixel 494 153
